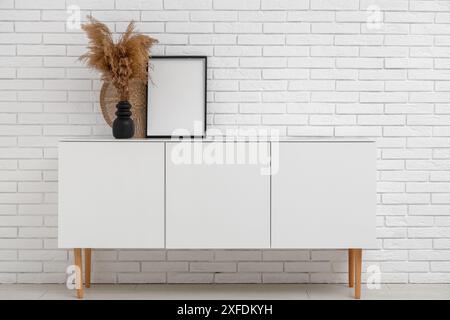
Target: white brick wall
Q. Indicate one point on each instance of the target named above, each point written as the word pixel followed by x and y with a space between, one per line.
pixel 306 67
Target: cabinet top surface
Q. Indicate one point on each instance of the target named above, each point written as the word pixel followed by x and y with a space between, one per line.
pixel 226 139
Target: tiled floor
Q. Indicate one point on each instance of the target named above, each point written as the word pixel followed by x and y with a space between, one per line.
pixel 224 291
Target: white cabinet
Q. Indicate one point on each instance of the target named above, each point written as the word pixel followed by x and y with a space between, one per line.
pixel 135 194
pixel 323 195
pixel 111 195
pixel 211 205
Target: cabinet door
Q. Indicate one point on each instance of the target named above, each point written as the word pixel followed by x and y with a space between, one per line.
pixel 324 196
pixel 216 205
pixel 111 195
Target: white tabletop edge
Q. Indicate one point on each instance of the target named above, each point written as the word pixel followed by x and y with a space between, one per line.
pixel 230 139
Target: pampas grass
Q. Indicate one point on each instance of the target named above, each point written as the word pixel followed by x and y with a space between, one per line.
pixel 117 62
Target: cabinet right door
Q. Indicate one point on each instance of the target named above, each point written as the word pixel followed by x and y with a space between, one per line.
pixel 323 195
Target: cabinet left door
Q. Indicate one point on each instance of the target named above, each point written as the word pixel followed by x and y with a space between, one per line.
pixel 111 194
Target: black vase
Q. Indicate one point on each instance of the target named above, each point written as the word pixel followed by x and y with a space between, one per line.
pixel 123 125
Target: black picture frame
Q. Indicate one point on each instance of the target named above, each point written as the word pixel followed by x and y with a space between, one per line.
pixel 205 59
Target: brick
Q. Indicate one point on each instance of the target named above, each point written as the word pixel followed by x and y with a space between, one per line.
pixel 212 267
pixel 410 17
pixel 334 5
pixel 428 187
pixel 334 96
pixel 8 232
pixel 319 131
pixel 440 176
pixel 406 154
pixel 238 27
pixel 428 210
pixel 359 108
pixel 190 255
pixel 163 266
pixel 43 255
pixel 20 243
pixel 409 221
pixel 214 16
pixel 284 4
pixel 276 27
pixel 406 198
pixel 364 40
pixel 309 39
pixel 41 50
pixel 170 15
pixel 409 131
pixel 237 278
pixel 404 176
pixel 257 85
pixel 226 51
pixel 383 187
pixel 21 221
pixel 357 131
pixel 310 62
pixel 421 108
pixel 135 277
pixel 404 267
pixel 284 119
pixel 335 28
pixel 10 198
pixel 191 27
pixel 283 74
pixel 391 233
pixel 38 232
pixel 311 85
pixel 302 267
pixel 39 26
pixel 20 267
pixel 407 244
pixel 437 232
pixel 261 39
pixel 260 267
pixel 285 277
pixel 116 16
pixel 428 164
pixel 242 255
pixel 115 267
pixel 390 164
pixel 437 255
pixel 310 16
pixel 236 4
pixel 332 119
pixel 190 277
pixel 359 85
pixel 262 108
pixel 311 108
pixel 138 5
pixel 39 4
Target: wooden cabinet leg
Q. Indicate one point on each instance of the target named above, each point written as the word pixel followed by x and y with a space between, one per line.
pixel 79 279
pixel 351 268
pixel 358 270
pixel 87 266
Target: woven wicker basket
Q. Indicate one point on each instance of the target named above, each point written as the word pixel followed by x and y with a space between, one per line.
pixel 138 99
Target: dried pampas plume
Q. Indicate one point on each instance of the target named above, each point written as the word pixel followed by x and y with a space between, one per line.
pixel 118 62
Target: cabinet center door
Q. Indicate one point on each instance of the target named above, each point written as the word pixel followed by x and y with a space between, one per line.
pixel 218 195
